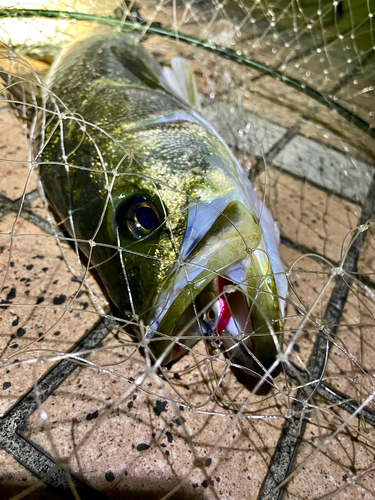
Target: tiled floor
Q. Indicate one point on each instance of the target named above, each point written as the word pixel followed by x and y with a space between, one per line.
pixel 141 439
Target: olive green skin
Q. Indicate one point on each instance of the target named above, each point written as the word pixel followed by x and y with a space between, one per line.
pixel 114 84
pixel 107 95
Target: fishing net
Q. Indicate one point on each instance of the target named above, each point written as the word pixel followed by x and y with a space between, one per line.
pixel 290 86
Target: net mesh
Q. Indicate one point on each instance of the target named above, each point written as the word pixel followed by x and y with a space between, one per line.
pixel 290 86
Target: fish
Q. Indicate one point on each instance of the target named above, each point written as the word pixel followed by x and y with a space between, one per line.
pixel 160 206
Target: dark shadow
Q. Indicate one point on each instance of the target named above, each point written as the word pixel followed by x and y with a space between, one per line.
pixel 136 489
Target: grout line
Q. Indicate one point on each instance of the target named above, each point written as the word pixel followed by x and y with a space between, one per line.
pixel 56 376
pixel 321 259
pixel 38 461
pixel 318 257
pixel 29 454
pixel 59 477
pixel 37 221
pixel 332 395
pixel 7 206
pixel 31 196
pixel 290 134
pixel 314 184
pixel 350 405
pixel 294 427
pixel 44 467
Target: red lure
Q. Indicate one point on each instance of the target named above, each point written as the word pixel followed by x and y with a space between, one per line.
pixel 225 313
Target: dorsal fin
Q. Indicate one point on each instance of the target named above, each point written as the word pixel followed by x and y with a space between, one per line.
pixel 181 80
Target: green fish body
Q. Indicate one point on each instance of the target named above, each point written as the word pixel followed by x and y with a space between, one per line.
pixel 159 205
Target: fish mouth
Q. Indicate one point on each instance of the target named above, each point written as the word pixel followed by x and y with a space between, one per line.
pixel 228 272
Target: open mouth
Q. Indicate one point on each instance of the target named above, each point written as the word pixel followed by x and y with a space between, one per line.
pixel 228 317
pixel 226 293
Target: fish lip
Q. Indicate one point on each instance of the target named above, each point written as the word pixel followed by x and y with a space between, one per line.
pixel 245 350
pixel 248 368
pixel 226 242
pixel 227 245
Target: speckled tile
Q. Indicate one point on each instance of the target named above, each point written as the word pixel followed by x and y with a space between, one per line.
pixel 329 128
pixel 244 131
pixel 127 439
pixel 117 433
pixel 147 436
pixel 284 95
pixel 16 480
pixel 344 469
pixel 350 365
pixel 307 280
pixel 270 107
pixel 14 159
pixel 34 320
pixel 308 215
pixel 349 369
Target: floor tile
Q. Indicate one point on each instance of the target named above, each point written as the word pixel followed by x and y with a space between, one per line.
pixel 16 480
pixel 14 156
pixel 325 167
pixel 34 321
pixel 244 131
pixel 307 215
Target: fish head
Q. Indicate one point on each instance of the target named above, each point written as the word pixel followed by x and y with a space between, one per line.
pixel 177 233
pixel 191 241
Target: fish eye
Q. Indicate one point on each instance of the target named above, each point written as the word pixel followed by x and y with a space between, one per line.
pixel 138 216
pixel 210 314
pixel 211 317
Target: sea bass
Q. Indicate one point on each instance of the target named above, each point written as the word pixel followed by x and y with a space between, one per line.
pixel 161 208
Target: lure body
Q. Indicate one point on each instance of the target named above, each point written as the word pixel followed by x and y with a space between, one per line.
pixel 126 163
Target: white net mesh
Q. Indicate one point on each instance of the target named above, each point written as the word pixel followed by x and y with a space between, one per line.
pixel 290 86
